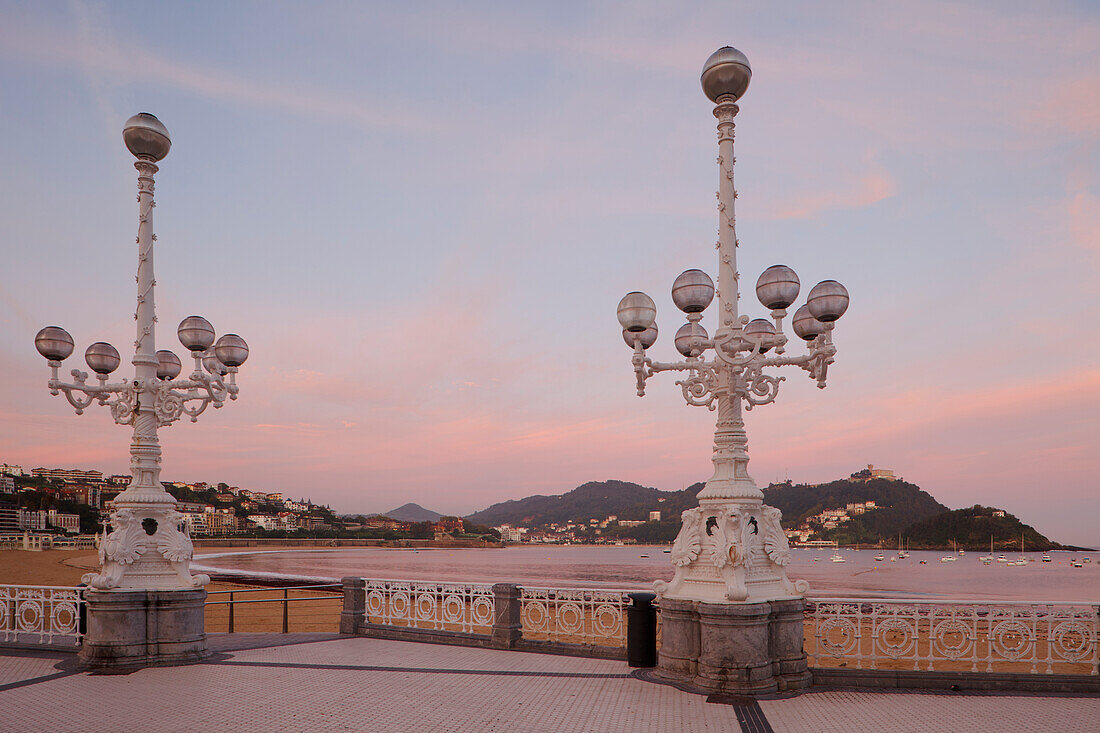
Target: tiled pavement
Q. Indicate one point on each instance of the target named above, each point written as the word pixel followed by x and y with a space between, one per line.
pixel 360 684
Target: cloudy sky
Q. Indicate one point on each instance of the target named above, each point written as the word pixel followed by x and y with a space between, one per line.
pixel 421 218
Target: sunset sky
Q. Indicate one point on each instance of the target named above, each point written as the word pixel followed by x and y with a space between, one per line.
pixel 421 217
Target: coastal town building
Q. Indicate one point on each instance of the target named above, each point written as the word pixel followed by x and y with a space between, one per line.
pixel 7 484
pixel 74 475
pixel 222 521
pixel 11 470
pixel 68 522
pixel 90 494
pixel 264 521
pixel 509 533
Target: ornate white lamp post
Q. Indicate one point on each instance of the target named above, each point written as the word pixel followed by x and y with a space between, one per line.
pixel 148 547
pixel 731 549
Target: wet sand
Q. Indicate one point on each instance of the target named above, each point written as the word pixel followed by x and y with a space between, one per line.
pixel 65 567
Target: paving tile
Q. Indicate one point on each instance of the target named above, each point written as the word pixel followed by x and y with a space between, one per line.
pixel 361 684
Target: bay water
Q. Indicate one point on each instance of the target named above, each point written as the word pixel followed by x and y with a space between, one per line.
pixel 636 567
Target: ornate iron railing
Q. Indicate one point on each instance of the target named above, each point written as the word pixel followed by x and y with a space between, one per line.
pixel 975 636
pixel 574 615
pixel 427 604
pixel 40 615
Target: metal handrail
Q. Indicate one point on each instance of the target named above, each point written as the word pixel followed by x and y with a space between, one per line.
pixel 285 600
pixel 952 602
pixel 335 586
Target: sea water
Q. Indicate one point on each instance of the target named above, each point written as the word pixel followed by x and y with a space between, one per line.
pixel 636 567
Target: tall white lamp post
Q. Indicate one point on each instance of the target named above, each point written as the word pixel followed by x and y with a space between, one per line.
pixel 731 549
pixel 148 548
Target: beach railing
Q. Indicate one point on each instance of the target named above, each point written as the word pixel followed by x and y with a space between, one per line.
pixel 585 621
pixel 574 615
pixel 956 636
pixel 426 604
pixel 315 610
pixel 41 615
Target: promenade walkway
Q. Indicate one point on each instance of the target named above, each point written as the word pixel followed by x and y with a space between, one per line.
pixel 323 682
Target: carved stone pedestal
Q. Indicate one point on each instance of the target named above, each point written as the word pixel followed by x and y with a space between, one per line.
pixel 752 649
pixel 131 629
pixel 731 619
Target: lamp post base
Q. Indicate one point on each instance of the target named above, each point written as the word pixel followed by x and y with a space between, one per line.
pixel 744 649
pixel 130 629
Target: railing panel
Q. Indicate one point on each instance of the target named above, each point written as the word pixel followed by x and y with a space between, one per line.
pixel 462 607
pixel 35 614
pixel 574 615
pixel 974 636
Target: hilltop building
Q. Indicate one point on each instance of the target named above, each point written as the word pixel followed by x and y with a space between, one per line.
pixel 871 472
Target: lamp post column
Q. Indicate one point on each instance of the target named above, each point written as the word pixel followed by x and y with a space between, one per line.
pixel 731 480
pixel 145 454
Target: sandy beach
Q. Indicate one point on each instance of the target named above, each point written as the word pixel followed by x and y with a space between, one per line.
pixel 65 567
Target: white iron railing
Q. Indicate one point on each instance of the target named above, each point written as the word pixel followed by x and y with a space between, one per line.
pixel 985 636
pixel 427 604
pixel 40 615
pixel 574 615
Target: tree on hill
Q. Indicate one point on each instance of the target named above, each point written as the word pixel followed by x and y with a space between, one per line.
pixel 972 528
pixel 593 500
pixel 900 502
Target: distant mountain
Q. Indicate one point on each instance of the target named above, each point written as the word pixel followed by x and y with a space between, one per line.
pixel 593 500
pixel 413 513
pixel 901 507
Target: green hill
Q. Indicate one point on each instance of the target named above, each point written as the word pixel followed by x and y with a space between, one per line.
pixel 593 500
pixel 900 504
pixel 900 507
pixel 971 528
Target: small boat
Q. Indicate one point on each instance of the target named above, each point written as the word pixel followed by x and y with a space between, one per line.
pixel 923 562
pixel 948 558
pixel 1002 558
pixel 1046 557
pixel 1086 559
pixel 1021 560
pixel 986 559
pixel 880 557
pixel 893 559
pixel 1076 564
pixel 836 554
pixel 643 555
pixel 666 551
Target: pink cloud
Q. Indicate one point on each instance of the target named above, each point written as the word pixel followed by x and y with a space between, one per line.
pixel 869 189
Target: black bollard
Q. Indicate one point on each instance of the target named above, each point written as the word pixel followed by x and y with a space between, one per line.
pixel 641 631
pixel 82 616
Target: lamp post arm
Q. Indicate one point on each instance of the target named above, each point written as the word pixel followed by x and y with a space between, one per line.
pixel 90 392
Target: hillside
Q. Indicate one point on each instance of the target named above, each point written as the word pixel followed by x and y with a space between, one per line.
pixel 593 500
pixel 413 513
pixel 900 504
pixel 971 528
pixel 900 508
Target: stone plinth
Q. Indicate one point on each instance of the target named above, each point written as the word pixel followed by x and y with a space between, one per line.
pixel 353 612
pixel 140 628
pixel 507 617
pixel 752 649
pixel 786 632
